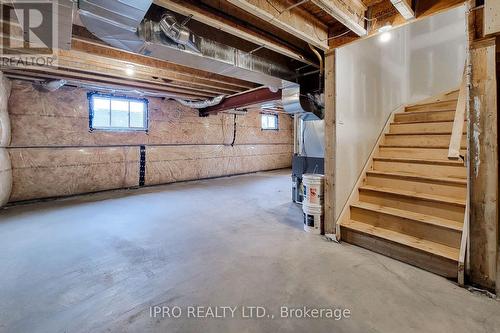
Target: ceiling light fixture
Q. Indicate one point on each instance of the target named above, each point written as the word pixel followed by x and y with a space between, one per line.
pixel 129 70
pixel 385 34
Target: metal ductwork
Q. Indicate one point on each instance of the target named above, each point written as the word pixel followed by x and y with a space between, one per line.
pixel 49 86
pixel 307 106
pixel 121 24
pixel 177 32
pixel 201 104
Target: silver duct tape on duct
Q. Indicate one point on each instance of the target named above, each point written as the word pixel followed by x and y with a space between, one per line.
pixel 121 24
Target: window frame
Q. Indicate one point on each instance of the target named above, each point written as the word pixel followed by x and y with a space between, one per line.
pixel 111 97
pixel 275 115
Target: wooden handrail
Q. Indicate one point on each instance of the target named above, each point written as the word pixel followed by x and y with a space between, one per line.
pixel 458 122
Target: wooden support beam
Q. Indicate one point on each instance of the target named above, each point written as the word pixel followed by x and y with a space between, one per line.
pixel 330 112
pixel 294 21
pixel 484 164
pixel 248 98
pixel 404 8
pixel 491 17
pixel 214 20
pixel 350 13
pixel 498 140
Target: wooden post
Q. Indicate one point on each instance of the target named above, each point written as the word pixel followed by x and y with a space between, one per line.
pixel 483 164
pixel 330 227
pixel 498 142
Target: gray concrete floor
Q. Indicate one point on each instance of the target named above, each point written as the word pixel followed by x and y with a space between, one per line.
pixel 97 263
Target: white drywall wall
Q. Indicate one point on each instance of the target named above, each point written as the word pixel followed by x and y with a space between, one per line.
pixel 422 59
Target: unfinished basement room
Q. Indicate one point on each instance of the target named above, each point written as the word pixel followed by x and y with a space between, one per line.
pixel 249 166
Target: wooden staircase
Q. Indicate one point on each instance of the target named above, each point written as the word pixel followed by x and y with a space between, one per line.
pixel 410 202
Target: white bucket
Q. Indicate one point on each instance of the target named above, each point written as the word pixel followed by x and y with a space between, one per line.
pixel 313 218
pixel 313 188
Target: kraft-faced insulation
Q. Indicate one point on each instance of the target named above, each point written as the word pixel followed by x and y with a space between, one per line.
pixel 53 152
pixel 4 115
pixel 61 118
pixel 171 164
pixel 52 172
pixel 5 176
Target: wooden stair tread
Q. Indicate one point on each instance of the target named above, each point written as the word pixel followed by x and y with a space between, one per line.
pixel 410 241
pixel 420 161
pixel 430 109
pixel 433 103
pixel 419 121
pixel 450 105
pixel 419 133
pixel 423 218
pixel 416 195
pixel 417 177
pixel 418 146
pixel 421 112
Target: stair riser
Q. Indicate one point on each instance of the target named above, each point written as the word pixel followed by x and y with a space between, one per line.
pixel 444 127
pixel 425 116
pixel 429 262
pixel 430 170
pixel 438 209
pixel 438 106
pixel 424 140
pixel 408 226
pixel 420 153
pixel 457 191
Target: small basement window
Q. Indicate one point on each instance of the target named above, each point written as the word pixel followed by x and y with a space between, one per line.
pixel 108 112
pixel 269 121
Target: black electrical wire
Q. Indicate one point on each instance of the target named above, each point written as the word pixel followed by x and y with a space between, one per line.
pixel 234 131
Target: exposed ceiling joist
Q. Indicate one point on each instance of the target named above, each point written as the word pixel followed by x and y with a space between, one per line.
pixel 219 22
pixel 404 8
pixel 350 13
pixel 387 14
pixel 294 20
pixel 114 58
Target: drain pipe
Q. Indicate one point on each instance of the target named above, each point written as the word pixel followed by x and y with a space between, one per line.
pixel 321 68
